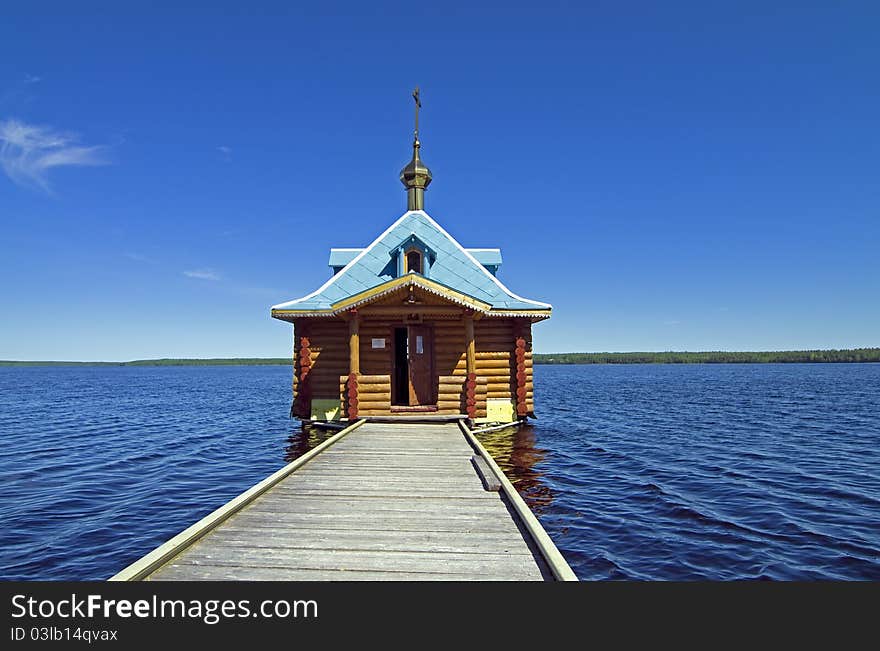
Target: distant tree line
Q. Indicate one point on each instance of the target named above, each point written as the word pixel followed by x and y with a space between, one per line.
pixel 232 361
pixel 714 357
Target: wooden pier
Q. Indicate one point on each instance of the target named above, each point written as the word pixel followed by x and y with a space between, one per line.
pixel 397 500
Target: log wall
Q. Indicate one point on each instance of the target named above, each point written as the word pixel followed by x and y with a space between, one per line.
pixel 376 361
pixel 321 359
pixel 451 394
pixel 295 407
pixel 449 349
pixel 369 395
pixel 320 356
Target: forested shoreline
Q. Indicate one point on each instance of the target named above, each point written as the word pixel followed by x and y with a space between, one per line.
pixel 707 357
pixel 715 357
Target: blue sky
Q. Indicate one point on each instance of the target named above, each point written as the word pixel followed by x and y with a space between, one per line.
pixel 671 176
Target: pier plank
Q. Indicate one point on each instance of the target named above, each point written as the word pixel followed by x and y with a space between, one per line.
pixel 375 522
pixel 392 540
pixel 224 573
pixel 390 501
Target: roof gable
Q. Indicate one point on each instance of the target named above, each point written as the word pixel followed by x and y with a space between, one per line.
pixel 453 267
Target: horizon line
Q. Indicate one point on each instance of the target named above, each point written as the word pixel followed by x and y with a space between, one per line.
pixel 289 359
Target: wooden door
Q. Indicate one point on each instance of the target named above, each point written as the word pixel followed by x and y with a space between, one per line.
pixel 421 366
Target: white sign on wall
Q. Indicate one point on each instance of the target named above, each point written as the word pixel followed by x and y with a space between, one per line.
pixel 378 343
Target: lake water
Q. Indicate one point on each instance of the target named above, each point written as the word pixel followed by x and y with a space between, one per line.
pixel 637 472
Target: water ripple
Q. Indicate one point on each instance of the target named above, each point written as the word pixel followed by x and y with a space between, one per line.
pixel 763 472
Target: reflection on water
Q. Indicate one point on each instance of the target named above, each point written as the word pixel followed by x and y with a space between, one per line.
pixel 514 450
pixel 304 439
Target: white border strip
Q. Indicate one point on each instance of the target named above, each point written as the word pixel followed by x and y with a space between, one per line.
pixel 168 550
pixel 554 558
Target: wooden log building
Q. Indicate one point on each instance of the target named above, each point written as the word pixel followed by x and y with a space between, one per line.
pixel 413 323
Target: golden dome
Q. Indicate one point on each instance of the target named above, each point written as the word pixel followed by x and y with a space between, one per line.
pixel 416 174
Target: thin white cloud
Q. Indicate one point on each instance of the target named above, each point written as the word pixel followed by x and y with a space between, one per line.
pixel 225 152
pixel 202 274
pixel 32 79
pixel 28 152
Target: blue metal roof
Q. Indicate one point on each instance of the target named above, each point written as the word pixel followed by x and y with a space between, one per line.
pixel 454 266
pixel 341 257
pixel 489 258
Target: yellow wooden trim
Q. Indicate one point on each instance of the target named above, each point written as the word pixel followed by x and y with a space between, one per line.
pixel 518 314
pixel 413 249
pixel 418 281
pixel 504 310
pixel 554 558
pixel 288 315
pixel 278 314
pixel 168 550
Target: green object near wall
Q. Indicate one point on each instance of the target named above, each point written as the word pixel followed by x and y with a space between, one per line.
pixel 326 409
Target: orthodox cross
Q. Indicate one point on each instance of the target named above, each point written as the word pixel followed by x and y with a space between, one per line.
pixel 418 106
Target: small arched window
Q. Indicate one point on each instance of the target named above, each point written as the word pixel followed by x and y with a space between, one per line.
pixel 414 261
